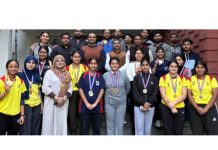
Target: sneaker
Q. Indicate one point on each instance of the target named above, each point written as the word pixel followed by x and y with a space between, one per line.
pixel 158 124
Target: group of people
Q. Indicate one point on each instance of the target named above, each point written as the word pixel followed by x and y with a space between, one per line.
pixel 65 86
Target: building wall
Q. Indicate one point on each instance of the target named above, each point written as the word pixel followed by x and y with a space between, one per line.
pixel 205 43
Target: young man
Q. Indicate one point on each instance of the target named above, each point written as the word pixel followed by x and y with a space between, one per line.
pixel 174 42
pixel 77 41
pixel 93 50
pixel 158 42
pixel 106 42
pixel 190 57
pixel 145 41
pixel 63 49
pixel 117 36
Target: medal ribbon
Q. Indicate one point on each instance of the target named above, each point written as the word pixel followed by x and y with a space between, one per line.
pixel 173 85
pixel 41 67
pixel 114 79
pixel 200 87
pixel 143 81
pixel 76 75
pixel 30 85
pixel 91 83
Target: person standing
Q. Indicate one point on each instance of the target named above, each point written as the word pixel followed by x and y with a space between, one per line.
pixel 173 89
pixel 57 88
pixel 202 94
pixel 91 89
pixel 12 90
pixel 159 68
pixel 121 55
pixel 145 89
pixel 174 43
pixel 145 41
pixel 118 36
pixel 117 88
pixel 77 41
pixel 106 42
pixel 158 42
pixel 93 50
pixel 43 41
pixel 32 107
pixel 64 49
pixel 76 70
pixel 133 69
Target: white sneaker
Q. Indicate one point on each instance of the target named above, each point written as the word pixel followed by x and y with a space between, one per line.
pixel 158 123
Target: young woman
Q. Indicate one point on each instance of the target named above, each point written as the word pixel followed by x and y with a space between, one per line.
pixel 76 70
pixel 12 90
pixel 57 88
pixel 159 68
pixel 202 93
pixel 91 89
pixel 32 105
pixel 145 89
pixel 132 69
pixel 43 41
pixel 117 88
pixel 180 59
pixel 173 89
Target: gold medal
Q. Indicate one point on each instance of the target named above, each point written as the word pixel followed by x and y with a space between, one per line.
pixel 200 96
pixel 30 91
pixel 145 91
pixel 174 96
pixel 91 93
pixel 9 83
pixel 114 91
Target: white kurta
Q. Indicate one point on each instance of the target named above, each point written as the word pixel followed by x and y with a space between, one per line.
pixel 54 118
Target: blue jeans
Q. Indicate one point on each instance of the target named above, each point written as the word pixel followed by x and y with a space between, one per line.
pixel 32 122
pixel 143 121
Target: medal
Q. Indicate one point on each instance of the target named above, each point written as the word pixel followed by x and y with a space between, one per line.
pixel 76 75
pixel 105 41
pixel 145 91
pixel 9 83
pixel 91 93
pixel 91 83
pixel 200 87
pixel 174 86
pixel 114 91
pixel 114 82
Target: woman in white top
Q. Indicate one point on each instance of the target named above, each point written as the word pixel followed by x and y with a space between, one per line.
pixel 57 88
pixel 132 69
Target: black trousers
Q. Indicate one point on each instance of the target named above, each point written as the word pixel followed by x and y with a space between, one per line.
pixel 157 113
pixel 130 108
pixel 204 124
pixel 173 124
pixel 91 119
pixel 73 113
pixel 32 122
pixel 9 124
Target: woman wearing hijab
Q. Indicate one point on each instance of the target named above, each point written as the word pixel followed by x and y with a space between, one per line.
pixel 57 88
pixel 32 97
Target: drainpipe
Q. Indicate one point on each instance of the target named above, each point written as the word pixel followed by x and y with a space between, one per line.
pixel 15 45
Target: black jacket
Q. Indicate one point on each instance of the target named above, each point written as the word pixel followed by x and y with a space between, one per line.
pixel 152 89
pixel 73 43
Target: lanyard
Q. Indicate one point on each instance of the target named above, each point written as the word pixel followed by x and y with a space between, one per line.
pixel 174 85
pixel 30 82
pixel 114 79
pixel 200 87
pixel 143 81
pixel 41 67
pixel 91 83
pixel 76 75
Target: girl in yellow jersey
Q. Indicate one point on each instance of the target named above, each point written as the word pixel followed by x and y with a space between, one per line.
pixel 202 92
pixel 76 70
pixel 32 106
pixel 11 100
pixel 173 89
